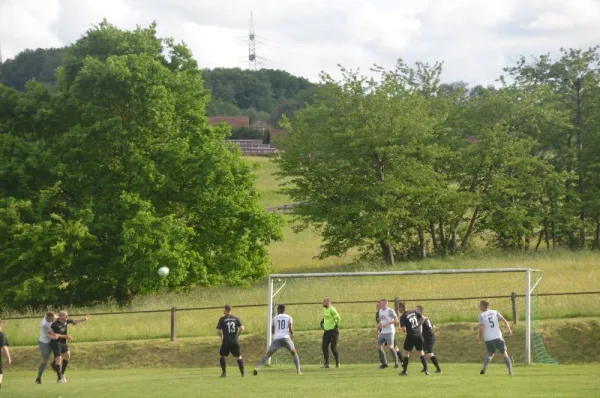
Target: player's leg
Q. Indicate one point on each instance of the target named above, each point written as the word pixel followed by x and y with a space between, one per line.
pixel 428 346
pixel 382 358
pixel 419 348
pixel 223 354
pixel 490 350
pixel 501 346
pixel 65 361
pixel 393 351
pixel 289 345
pixel 275 345
pixel 334 342
pixel 45 352
pixel 1 373
pixel 236 351
pixel 408 346
pixel 325 347
pixel 57 351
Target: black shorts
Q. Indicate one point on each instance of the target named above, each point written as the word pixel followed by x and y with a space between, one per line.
pixel 331 336
pixel 428 346
pixel 59 348
pixel 413 342
pixel 231 347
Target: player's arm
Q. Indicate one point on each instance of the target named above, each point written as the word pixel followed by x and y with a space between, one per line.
pixel 220 329
pixel 510 331
pixel 336 317
pixel 403 323
pixel 6 353
pixel 241 329
pixel 291 329
pixel 76 321
pixel 481 327
pixel 61 336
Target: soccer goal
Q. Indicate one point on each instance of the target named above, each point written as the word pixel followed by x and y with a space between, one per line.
pixel 447 295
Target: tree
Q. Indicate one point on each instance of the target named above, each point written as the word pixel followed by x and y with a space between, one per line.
pixel 572 77
pixel 135 179
pixel 358 159
pixel 40 64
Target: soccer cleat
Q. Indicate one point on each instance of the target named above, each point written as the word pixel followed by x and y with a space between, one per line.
pixel 423 370
pixel 337 364
pixel 482 372
pixel 426 373
pixel 223 375
pixel 38 381
pixel 384 365
pixel 438 371
pixel 397 366
pixel 325 366
pixel 403 373
pixel 60 381
pixel 299 373
pixel 255 372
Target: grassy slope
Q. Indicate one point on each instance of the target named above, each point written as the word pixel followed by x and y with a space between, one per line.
pixel 573 341
pixel 350 381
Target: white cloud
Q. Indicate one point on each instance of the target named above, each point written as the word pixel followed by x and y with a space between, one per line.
pixel 475 38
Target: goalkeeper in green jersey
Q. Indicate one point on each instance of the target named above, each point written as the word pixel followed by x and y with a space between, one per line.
pixel 331 334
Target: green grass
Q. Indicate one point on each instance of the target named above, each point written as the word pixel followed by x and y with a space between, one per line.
pixel 349 381
pixel 267 183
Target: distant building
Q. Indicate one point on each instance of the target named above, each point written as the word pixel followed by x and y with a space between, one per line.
pixel 236 122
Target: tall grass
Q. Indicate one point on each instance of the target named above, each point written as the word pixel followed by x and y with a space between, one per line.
pixel 563 272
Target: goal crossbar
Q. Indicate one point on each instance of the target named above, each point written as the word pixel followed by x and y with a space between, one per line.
pixel 526 271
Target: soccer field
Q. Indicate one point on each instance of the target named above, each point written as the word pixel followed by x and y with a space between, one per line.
pixel 349 381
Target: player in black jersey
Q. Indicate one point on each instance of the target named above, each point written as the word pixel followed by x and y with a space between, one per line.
pixel 3 349
pixel 59 345
pixel 428 339
pixel 411 322
pixel 229 328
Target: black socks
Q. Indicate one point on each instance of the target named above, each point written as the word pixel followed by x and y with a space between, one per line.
pixel 223 364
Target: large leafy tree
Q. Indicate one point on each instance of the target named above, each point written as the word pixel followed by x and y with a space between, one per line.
pixel 117 174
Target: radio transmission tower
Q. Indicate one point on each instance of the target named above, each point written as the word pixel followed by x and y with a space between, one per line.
pixel 253 60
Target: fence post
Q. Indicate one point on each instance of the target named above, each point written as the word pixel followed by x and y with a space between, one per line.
pixel 397 305
pixel 173 323
pixel 513 299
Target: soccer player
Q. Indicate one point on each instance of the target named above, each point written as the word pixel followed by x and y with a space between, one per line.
pixel 229 329
pixel 46 336
pixel 283 331
pixel 331 334
pixel 428 339
pixel 3 349
pixel 377 320
pixel 410 322
pixel 387 320
pixel 489 331
pixel 59 345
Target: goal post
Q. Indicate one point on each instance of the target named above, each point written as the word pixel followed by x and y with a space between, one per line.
pixel 452 285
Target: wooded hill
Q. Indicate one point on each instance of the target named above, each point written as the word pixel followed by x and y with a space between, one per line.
pixel 265 94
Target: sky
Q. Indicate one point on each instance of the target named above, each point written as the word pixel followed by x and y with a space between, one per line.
pixel 474 38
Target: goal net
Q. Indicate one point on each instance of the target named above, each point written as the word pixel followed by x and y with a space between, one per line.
pixel 448 296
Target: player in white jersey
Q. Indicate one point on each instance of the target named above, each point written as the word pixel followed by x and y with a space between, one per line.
pixel 46 336
pixel 283 335
pixel 387 332
pixel 489 331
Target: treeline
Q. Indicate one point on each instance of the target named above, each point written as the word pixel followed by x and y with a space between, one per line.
pixel 115 172
pixel 265 94
pixel 404 166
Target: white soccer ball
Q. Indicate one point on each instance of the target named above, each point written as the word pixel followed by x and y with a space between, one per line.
pixel 163 271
